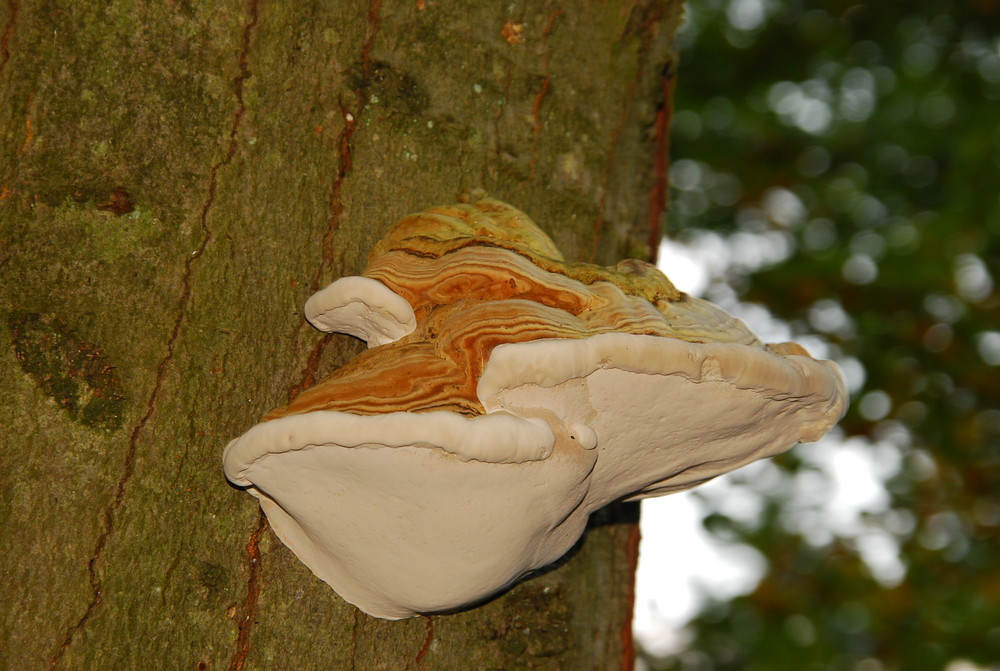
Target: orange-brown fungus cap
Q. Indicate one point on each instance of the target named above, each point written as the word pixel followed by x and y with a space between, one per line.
pixel 482 275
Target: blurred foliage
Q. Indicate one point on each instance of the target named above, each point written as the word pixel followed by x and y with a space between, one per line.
pixel 865 138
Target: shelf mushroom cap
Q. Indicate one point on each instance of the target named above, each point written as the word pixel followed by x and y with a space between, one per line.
pixel 507 394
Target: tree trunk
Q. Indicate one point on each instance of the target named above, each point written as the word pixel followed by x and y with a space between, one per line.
pixel 174 182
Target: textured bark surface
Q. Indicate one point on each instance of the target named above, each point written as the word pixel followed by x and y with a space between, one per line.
pixel 175 180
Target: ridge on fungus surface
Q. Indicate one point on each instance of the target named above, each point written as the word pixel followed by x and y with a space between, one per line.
pixel 441 232
pixel 492 285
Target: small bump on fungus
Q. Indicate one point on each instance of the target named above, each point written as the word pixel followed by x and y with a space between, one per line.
pixel 508 394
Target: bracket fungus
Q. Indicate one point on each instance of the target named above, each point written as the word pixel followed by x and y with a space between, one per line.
pixel 505 396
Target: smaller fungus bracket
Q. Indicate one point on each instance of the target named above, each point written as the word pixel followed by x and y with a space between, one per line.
pixel 361 307
pixel 505 396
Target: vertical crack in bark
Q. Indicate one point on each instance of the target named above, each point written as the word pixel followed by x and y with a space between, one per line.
pixel 536 108
pixel 661 180
pixel 29 129
pixel 345 163
pixel 428 639
pixel 8 32
pixel 632 563
pixel 374 24
pixel 345 148
pixel 111 511
pixel 308 377
pixel 345 143
pixel 250 608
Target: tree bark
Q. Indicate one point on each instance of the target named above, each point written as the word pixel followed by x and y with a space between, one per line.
pixel 175 180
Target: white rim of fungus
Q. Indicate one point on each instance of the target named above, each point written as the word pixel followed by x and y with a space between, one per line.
pixel 362 307
pixel 553 361
pixel 497 437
